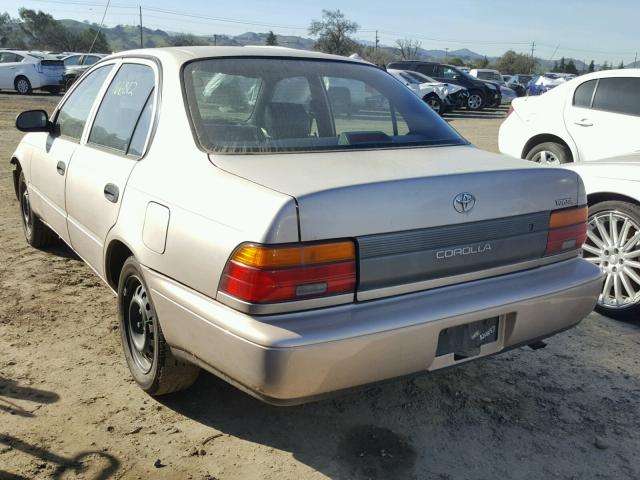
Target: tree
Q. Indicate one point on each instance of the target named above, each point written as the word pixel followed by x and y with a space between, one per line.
pixel 605 66
pixel 10 32
pixel 378 56
pixel 456 61
pixel 42 31
pixel 408 49
pixel 571 67
pixel 592 67
pixel 555 67
pixel 184 40
pixel 511 63
pixel 562 66
pixel 482 63
pixel 621 66
pixel 272 39
pixel 333 33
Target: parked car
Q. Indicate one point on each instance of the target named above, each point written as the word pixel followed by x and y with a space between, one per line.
pixel 487 74
pixel 506 78
pixel 613 241
pixel 508 95
pixel 76 64
pixel 481 94
pixel 456 95
pixel 588 118
pixel 25 71
pixel 293 251
pixel 543 83
pixel 522 79
pixel 433 95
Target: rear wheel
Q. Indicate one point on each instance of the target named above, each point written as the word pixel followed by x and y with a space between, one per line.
pixel 434 102
pixel 22 85
pixel 148 356
pixel 476 100
pixel 550 153
pixel 36 233
pixel 613 243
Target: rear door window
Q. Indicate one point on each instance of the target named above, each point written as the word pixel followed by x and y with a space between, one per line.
pixel 72 117
pixel 584 94
pixel 618 95
pixel 427 70
pixel 122 107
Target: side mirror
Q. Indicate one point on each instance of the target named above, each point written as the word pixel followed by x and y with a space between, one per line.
pixel 33 121
pixel 456 77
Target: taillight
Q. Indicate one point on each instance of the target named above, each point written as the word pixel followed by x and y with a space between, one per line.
pixel 567 230
pixel 511 109
pixel 269 274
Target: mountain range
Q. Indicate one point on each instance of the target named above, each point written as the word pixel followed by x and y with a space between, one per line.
pixel 125 37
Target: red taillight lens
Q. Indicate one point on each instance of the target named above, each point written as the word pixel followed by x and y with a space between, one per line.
pixel 567 230
pixel 511 109
pixel 261 274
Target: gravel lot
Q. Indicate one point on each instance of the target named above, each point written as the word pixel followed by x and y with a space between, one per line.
pixel 68 408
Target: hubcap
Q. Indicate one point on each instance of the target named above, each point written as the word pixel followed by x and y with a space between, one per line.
pixel 23 86
pixel 613 243
pixel 138 319
pixel 474 101
pixel 26 212
pixel 546 157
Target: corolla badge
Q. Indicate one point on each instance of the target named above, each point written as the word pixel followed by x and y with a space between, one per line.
pixel 464 202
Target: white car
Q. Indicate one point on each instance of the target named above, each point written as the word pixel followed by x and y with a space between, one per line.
pixel 487 74
pixel 434 94
pixel 588 118
pixel 26 71
pixel 613 236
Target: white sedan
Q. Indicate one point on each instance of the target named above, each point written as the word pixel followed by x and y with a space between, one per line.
pixel 588 118
pixel 27 71
pixel 613 237
pixel 434 94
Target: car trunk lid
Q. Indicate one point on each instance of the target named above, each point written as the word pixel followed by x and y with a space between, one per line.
pixel 404 207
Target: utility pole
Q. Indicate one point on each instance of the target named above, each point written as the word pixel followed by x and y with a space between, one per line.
pixel 377 40
pixel 533 48
pixel 635 61
pixel 215 39
pixel 446 52
pixel 141 42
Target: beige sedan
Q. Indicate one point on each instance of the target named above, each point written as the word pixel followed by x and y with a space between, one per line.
pixel 296 223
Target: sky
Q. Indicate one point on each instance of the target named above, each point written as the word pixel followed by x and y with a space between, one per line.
pixel 581 29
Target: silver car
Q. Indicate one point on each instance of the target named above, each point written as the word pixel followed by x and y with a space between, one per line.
pixel 253 225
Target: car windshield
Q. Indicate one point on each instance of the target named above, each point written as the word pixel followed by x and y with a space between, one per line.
pixel 262 105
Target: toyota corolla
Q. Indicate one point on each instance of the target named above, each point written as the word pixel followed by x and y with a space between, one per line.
pixel 253 225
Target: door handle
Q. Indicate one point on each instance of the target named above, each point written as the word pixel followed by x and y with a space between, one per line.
pixel 584 123
pixel 111 192
pixel 61 167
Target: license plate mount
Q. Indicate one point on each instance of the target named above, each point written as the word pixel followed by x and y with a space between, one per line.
pixel 464 341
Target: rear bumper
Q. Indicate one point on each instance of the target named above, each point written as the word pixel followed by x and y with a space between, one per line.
pixel 296 357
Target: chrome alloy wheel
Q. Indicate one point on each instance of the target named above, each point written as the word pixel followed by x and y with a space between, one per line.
pixel 546 158
pixel 22 85
pixel 613 243
pixel 474 101
pixel 138 319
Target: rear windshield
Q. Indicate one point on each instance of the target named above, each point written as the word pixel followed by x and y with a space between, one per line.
pixel 262 105
pixel 489 76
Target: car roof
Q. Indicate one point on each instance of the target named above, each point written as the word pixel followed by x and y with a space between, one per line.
pixel 181 55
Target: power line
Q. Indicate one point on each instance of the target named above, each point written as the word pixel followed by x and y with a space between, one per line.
pixel 100 27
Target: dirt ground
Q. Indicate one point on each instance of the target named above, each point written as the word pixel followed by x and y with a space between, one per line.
pixel 69 409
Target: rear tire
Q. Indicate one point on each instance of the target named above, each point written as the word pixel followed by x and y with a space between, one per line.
pixel 618 260
pixel 22 85
pixel 37 234
pixel 149 357
pixel 550 153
